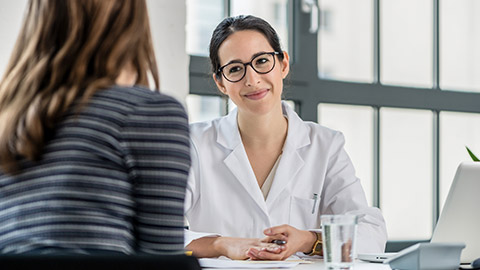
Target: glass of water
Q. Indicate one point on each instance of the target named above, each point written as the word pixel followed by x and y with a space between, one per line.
pixel 338 235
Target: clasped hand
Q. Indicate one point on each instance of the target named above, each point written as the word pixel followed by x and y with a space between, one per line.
pixel 263 249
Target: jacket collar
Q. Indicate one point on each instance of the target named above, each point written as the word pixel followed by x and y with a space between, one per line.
pixel 298 134
pixel 228 134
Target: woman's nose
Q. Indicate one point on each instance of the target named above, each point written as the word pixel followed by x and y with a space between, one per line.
pixel 251 76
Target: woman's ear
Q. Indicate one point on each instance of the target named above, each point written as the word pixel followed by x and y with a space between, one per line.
pixel 285 64
pixel 219 84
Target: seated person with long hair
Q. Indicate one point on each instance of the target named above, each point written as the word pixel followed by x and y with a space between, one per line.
pixel 91 159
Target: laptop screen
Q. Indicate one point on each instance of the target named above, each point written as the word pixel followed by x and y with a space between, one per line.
pixel 460 218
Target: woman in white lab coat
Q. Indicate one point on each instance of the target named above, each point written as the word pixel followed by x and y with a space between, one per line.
pixel 261 173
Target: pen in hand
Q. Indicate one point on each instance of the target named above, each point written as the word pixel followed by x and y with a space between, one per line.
pixel 279 242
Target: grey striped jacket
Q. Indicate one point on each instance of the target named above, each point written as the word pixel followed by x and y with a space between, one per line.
pixel 112 179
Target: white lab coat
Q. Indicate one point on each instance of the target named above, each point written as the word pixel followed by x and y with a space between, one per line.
pixel 223 196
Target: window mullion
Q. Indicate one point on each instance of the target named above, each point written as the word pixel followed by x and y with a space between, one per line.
pixel 376 41
pixel 376 157
pixel 305 46
pixel 436 44
pixel 304 71
pixel 227 8
pixel 436 120
pixel 436 168
pixel 376 120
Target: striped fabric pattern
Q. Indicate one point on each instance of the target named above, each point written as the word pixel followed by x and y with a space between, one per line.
pixel 112 179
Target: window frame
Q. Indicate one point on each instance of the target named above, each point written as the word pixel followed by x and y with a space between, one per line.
pixel 303 84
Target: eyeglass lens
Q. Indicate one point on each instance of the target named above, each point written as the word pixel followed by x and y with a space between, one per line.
pixel 262 64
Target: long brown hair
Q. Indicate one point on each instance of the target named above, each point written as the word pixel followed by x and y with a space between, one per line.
pixel 67 50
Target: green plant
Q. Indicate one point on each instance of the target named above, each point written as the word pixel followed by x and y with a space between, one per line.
pixel 472 155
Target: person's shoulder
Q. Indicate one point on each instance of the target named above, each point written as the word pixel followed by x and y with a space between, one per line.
pixel 134 94
pixel 138 97
pixel 319 131
pixel 325 138
pixel 201 128
pixel 313 130
pixel 205 131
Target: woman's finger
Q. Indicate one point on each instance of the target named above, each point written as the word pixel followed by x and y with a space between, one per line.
pixel 265 255
pixel 272 247
pixel 252 253
pixel 270 239
pixel 282 229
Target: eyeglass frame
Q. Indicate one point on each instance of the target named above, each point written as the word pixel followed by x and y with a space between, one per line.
pixel 220 70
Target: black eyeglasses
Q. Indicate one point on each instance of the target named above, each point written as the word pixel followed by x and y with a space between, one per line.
pixel 262 64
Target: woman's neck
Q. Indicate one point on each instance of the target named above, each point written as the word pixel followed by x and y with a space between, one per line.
pixel 262 131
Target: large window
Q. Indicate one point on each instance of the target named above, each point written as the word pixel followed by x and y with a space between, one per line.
pixel 406 39
pixel 356 124
pixel 406 164
pixel 273 11
pixel 202 17
pixel 460 45
pixel 345 40
pixel 400 79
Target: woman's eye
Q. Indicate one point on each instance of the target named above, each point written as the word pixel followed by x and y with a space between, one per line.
pixel 234 69
pixel 261 61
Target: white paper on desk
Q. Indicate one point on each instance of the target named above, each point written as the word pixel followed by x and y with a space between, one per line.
pixel 227 263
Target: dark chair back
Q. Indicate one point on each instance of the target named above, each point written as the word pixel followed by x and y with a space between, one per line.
pixel 104 262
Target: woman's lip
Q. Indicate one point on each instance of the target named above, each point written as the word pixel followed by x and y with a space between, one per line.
pixel 257 94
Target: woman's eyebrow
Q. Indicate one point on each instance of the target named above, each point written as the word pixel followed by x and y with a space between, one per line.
pixel 234 61
pixel 257 54
pixel 240 61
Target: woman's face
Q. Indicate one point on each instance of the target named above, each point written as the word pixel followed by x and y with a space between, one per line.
pixel 255 93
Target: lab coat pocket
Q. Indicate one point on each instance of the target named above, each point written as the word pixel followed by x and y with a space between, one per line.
pixel 304 212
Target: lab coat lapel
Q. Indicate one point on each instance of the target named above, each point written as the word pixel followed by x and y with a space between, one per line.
pixel 237 161
pixel 291 162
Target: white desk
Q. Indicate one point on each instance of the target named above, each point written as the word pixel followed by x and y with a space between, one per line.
pixel 319 265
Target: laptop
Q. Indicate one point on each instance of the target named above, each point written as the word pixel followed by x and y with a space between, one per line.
pixel 376 257
pixel 460 217
pixel 459 220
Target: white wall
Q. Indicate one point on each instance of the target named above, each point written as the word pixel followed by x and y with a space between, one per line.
pixel 167 19
pixel 11 15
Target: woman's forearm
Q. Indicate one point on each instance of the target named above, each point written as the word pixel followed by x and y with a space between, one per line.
pixel 205 247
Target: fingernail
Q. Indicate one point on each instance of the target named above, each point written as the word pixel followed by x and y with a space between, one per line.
pixel 268 231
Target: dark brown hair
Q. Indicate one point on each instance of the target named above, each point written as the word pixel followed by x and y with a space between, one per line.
pixel 67 49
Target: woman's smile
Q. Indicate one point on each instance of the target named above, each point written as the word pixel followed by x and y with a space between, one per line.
pixel 256 95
